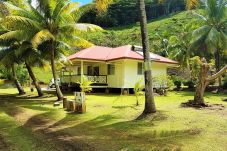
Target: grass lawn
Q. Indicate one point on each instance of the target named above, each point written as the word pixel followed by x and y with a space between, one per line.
pixel 30 123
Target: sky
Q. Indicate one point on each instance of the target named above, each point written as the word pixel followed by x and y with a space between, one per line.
pixel 83 2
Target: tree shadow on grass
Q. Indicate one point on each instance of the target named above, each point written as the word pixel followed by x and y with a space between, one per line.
pixel 104 132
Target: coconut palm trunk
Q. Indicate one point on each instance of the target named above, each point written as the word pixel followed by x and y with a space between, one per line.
pixel 16 81
pixel 31 74
pixel 217 66
pixel 58 90
pixel 149 97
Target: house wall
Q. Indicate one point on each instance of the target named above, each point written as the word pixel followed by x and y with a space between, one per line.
pixel 131 76
pixel 116 80
pixel 125 72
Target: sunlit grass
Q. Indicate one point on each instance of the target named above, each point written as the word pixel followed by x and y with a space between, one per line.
pixel 110 122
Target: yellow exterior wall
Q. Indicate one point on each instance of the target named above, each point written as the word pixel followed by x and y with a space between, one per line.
pixel 125 72
pixel 131 76
pixel 116 80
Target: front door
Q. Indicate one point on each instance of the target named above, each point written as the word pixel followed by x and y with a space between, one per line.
pixel 96 71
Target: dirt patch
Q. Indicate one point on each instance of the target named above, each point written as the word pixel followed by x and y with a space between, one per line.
pixel 191 103
pixel 3 145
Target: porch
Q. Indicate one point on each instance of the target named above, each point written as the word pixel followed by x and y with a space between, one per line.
pixel 96 72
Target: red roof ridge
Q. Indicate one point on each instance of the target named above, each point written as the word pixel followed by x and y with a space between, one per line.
pixel 102 53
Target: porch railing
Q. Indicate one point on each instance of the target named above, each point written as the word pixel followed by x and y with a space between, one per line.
pixel 101 79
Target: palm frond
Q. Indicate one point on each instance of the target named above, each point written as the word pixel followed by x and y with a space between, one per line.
pixel 212 39
pixel 191 4
pixel 14 35
pixel 102 5
pixel 78 28
pixel 40 37
pixel 18 23
pixel 63 9
pixel 200 17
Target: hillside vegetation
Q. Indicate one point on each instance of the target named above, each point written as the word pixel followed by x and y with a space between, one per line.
pixel 163 28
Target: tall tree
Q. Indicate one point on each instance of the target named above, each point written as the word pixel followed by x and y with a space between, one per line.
pixel 149 96
pixel 31 58
pixel 213 33
pixel 50 27
pixel 24 50
pixel 8 59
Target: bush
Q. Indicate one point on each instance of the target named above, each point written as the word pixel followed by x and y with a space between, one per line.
pixel 2 82
pixel 189 84
pixel 224 86
pixel 178 84
pixel 177 81
pixel 163 82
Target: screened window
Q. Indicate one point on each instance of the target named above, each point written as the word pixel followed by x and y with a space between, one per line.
pixel 89 70
pixel 111 69
pixel 140 68
pixel 79 70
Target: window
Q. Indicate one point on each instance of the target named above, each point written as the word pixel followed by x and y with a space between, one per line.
pixel 140 68
pixel 79 71
pixel 89 70
pixel 111 69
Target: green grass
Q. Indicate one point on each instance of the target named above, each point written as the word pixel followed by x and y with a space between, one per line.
pixel 110 123
pixel 43 75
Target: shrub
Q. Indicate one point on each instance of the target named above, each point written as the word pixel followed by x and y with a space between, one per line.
pixel 224 85
pixel 190 84
pixel 178 84
pixel 177 81
pixel 164 82
pixel 2 82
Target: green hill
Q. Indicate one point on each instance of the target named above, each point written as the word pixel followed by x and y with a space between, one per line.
pixel 160 29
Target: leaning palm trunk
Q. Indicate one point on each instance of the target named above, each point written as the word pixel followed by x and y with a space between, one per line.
pixel 58 90
pixel 16 81
pixel 149 97
pixel 217 66
pixel 37 86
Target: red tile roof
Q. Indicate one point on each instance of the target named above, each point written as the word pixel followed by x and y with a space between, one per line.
pixel 99 53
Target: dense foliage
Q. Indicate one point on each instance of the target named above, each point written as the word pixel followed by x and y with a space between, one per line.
pixel 125 12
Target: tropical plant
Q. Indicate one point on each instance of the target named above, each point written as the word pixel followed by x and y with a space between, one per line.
pixel 8 59
pixel 213 33
pixel 85 84
pixel 2 82
pixel 24 51
pixel 138 90
pixel 163 82
pixel 149 94
pixel 50 27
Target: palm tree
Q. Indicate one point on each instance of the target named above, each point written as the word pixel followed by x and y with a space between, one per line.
pixel 149 96
pixel 24 52
pixel 213 33
pixel 31 58
pixel 8 59
pixel 50 27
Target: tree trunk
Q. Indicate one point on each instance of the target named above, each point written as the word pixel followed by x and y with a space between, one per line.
pixel 58 90
pixel 204 80
pixel 16 81
pixel 217 66
pixel 149 97
pixel 40 93
pixel 201 86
